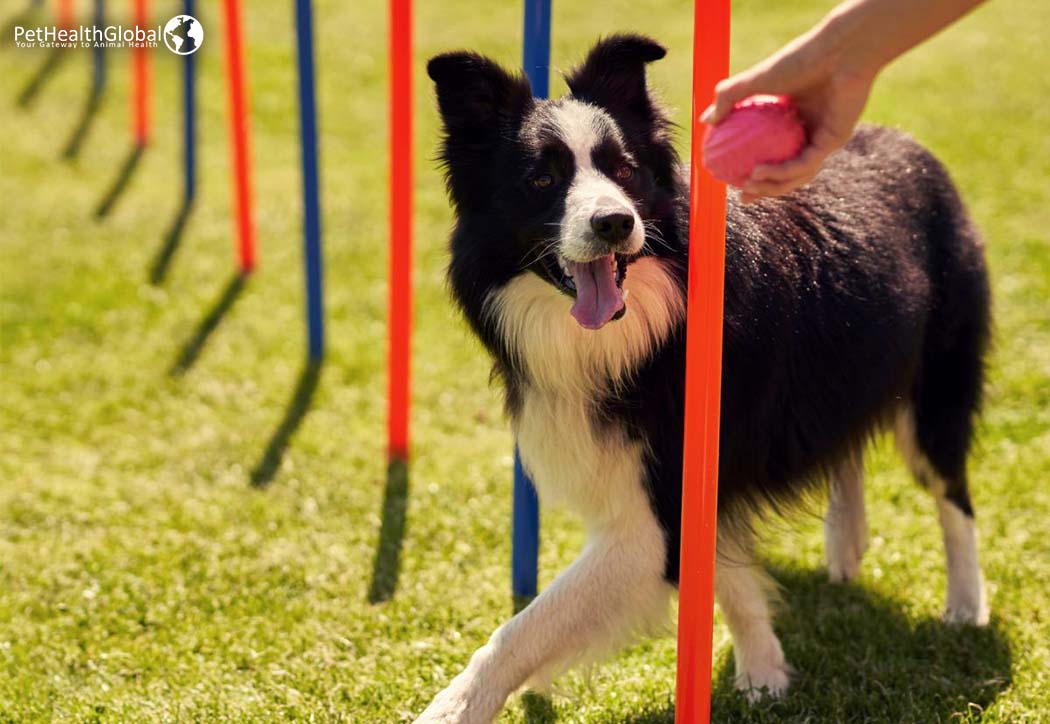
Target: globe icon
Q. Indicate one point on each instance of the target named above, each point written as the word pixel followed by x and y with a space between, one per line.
pixel 183 34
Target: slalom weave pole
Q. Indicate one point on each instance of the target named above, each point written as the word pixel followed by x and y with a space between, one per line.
pixel 703 380
pixel 525 527
pixel 400 272
pixel 304 32
pixel 140 78
pixel 189 117
pixel 240 139
pixel 98 53
pixel 66 14
pixel 525 534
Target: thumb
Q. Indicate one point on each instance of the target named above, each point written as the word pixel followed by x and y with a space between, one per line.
pixel 727 93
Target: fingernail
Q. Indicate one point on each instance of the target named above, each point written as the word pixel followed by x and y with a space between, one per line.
pixel 708 114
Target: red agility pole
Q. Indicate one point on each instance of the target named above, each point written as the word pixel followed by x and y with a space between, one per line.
pixel 140 78
pixel 66 16
pixel 237 85
pixel 400 303
pixel 703 380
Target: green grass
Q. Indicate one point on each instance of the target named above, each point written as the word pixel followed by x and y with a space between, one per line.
pixel 144 578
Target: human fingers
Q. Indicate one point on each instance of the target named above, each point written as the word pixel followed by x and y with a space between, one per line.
pixel 756 189
pixel 806 163
pixel 728 93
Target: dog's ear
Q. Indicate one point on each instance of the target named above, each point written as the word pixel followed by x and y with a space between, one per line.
pixel 477 98
pixel 613 75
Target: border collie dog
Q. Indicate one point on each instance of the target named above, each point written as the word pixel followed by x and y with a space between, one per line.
pixel 859 301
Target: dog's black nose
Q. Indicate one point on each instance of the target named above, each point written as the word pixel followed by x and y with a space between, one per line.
pixel 612 226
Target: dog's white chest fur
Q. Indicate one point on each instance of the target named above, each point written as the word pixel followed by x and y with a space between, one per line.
pixel 596 473
pixel 594 470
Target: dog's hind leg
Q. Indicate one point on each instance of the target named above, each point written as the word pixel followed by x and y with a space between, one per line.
pixel 966 602
pixel 743 591
pixel 935 430
pixel 615 586
pixel 846 525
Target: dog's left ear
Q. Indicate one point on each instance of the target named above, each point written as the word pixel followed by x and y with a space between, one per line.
pixel 477 98
pixel 613 75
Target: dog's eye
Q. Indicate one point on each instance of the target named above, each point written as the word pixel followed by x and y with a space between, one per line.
pixel 542 181
pixel 624 173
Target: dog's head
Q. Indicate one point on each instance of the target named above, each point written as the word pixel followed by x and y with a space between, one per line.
pixel 570 189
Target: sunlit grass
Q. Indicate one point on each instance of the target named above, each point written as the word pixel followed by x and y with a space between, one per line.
pixel 144 577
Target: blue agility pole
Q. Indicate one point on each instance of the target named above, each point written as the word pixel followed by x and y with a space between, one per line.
pixel 98 79
pixel 536 59
pixel 189 117
pixel 536 51
pixel 311 201
pixel 525 551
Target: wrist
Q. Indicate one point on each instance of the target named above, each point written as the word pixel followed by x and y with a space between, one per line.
pixel 852 49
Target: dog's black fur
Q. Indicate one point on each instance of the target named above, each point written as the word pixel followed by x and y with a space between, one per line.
pixel 862 293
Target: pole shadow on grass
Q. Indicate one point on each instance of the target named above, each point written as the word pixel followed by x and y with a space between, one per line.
pixel 162 261
pixel 857 657
pixel 87 116
pixel 387 563
pixel 299 405
pixel 120 183
pixel 52 61
pixel 193 347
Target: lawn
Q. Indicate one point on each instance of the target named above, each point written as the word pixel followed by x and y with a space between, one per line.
pixel 194 525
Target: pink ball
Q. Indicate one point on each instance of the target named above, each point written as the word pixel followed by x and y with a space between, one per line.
pixel 760 129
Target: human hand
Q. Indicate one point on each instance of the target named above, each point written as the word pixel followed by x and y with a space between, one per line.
pixel 829 94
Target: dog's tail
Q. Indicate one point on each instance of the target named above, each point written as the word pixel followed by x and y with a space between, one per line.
pixel 948 387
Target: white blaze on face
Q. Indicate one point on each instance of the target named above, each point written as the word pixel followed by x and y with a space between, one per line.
pixel 582 127
pixel 589 260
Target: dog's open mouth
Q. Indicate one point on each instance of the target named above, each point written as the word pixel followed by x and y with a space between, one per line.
pixel 597 287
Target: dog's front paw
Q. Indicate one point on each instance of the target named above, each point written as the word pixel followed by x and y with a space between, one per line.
pixel 760 683
pixel 763 673
pixel 460 703
pixel 447 708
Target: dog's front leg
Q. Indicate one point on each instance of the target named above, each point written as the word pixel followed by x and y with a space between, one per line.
pixel 614 587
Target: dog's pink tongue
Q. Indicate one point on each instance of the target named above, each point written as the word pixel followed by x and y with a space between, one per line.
pixel 598 298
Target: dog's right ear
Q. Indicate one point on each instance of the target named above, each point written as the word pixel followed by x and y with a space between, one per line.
pixel 477 98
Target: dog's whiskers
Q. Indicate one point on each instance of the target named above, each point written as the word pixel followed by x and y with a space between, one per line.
pixel 544 251
pixel 652 231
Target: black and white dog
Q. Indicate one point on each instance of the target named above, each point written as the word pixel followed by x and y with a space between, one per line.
pixel 859 301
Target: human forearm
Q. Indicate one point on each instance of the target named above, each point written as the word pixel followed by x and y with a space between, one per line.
pixel 863 36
